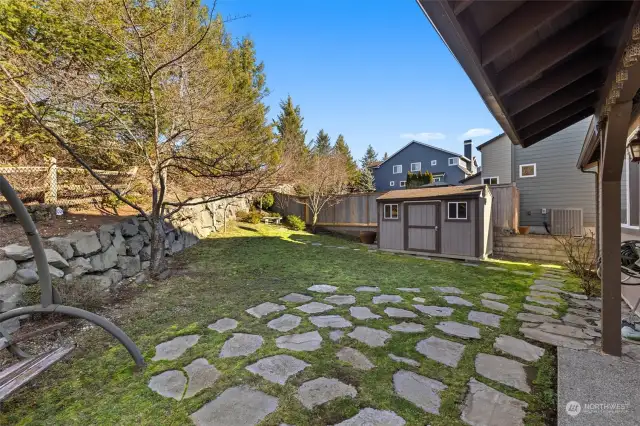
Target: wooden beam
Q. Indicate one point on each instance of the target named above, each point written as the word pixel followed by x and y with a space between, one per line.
pixel 525 20
pixel 461 5
pixel 610 168
pixel 561 77
pixel 558 100
pixel 584 107
pixel 558 47
pixel 552 130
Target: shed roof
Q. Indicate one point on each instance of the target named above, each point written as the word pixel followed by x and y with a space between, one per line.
pixel 434 192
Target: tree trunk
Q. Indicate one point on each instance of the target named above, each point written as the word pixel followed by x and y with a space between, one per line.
pixel 158 261
pixel 314 220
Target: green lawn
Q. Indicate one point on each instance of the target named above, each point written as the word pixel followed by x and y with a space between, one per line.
pixel 226 274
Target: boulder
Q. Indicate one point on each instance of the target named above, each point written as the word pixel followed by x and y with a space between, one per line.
pixel 8 267
pixel 130 227
pixel 17 252
pixel 61 245
pixel 103 261
pixel 177 245
pixel 54 258
pixel 96 281
pixel 114 275
pixel 134 245
pixel 79 266
pixel 55 272
pixel 129 265
pixel 145 265
pixel 27 276
pixel 105 235
pixel 145 253
pixel 144 227
pixel 10 295
pixel 84 243
pixel 119 243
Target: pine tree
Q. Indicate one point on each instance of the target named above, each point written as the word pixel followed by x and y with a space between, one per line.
pixel 366 182
pixel 321 145
pixel 385 157
pixel 289 131
pixel 342 148
pixel 370 156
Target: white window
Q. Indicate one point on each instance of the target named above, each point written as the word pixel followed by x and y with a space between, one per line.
pixel 437 178
pixel 390 211
pixel 528 170
pixel 434 162
pixel 392 183
pixel 453 161
pixel 490 180
pixel 457 210
pixel 397 169
pixel 416 167
pixel 403 183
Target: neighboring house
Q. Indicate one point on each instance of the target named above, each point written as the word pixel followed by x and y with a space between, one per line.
pixel 446 166
pixel 545 175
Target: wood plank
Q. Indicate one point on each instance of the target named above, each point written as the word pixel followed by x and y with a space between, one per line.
pixel 525 20
pixel 561 77
pixel 461 5
pixel 589 101
pixel 558 47
pixel 552 130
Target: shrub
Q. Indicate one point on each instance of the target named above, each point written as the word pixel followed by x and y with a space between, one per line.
pixel 274 214
pixel 252 216
pixel 81 294
pixel 294 222
pixel 266 201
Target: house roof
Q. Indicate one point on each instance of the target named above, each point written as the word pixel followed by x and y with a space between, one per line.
pixel 471 176
pixel 435 192
pixel 423 144
pixel 482 145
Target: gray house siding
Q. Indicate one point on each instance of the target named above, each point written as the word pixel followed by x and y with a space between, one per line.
pixel 413 153
pixel 558 183
pixel 496 160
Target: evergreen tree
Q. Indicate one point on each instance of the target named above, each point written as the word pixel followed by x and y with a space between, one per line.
pixel 289 130
pixel 365 182
pixel 385 157
pixel 370 156
pixel 342 148
pixel 321 145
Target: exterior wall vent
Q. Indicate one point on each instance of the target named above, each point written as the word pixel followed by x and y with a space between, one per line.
pixel 566 222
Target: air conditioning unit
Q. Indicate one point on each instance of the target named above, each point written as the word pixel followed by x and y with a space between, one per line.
pixel 566 222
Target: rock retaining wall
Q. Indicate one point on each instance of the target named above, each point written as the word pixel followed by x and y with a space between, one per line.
pixel 108 256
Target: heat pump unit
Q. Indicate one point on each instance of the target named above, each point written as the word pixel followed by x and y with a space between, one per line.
pixel 566 222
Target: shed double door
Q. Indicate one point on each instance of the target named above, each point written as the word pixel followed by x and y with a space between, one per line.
pixel 422 227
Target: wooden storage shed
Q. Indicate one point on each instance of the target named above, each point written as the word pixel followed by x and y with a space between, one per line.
pixel 450 221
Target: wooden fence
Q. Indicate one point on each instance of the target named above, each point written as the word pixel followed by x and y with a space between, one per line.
pixel 505 208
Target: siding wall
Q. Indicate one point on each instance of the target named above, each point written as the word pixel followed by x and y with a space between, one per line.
pixel 459 238
pixel 413 153
pixel 496 160
pixel 391 231
pixel 558 183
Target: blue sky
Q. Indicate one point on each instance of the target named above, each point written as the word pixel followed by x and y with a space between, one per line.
pixel 375 71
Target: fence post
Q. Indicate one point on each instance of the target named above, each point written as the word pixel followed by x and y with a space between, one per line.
pixel 51 189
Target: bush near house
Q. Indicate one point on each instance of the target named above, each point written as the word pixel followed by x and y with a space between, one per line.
pixel 416 180
pixel 294 222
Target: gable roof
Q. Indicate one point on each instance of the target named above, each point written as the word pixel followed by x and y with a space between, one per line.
pixel 423 144
pixel 405 194
pixel 482 145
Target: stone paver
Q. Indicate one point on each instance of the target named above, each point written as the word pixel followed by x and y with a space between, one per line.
pixel 407 327
pixel 322 390
pixel 518 348
pixel 339 299
pixel 544 294
pixel 169 384
pixel 368 289
pixel 333 321
pixel 506 371
pixel 304 342
pixel 435 311
pixel 265 309
pixel 455 300
pixel 336 335
pixel 419 390
pixel 355 358
pixel 224 324
pixel 555 339
pixel 545 288
pixel 485 406
pixel 553 283
pixel 386 298
pixel 278 368
pixel 362 313
pixel 541 301
pixel 296 298
pixel 314 308
pixel 174 348
pixel 441 350
pixel 496 306
pixel 448 290
pixel 201 375
pixel 491 320
pixel 408 361
pixel 419 299
pixel 284 323
pixel 527 317
pixel 409 289
pixel 493 296
pixel 241 344
pixel 565 330
pixel 373 417
pixel 323 288
pixel 463 331
pixel 525 273
pixel 236 406
pixel 399 313
pixel 584 313
pixel 496 268
pixel 370 336
pixel 539 309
